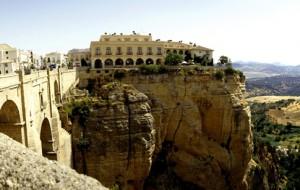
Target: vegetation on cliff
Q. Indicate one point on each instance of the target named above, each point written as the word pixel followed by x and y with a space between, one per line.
pixel 276 147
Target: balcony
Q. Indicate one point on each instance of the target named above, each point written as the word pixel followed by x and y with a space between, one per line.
pixel 119 53
pixel 108 53
pixel 149 53
pixel 129 53
pixel 139 53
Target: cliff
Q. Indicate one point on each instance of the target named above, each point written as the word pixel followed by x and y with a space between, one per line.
pixel 22 168
pixel 201 133
pixel 120 138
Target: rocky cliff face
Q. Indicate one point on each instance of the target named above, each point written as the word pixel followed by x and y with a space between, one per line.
pixel 120 135
pixel 22 168
pixel 201 133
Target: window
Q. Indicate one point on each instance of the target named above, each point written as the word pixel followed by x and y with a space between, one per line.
pixel 41 100
pixel 108 51
pixel 6 52
pixel 129 51
pixel 7 57
pixel 6 71
pixel 119 51
pixel 149 51
pixel 159 51
pixel 6 65
pixel 140 51
pixel 97 53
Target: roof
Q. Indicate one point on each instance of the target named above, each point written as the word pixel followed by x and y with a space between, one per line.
pixel 79 50
pixel 54 53
pixel 203 48
pixel 5 47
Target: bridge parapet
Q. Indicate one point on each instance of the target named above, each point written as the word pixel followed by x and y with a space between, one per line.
pixel 8 81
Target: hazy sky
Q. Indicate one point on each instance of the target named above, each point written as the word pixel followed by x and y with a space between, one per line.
pixel 248 30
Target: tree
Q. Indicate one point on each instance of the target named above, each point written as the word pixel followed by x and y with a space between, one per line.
pixel 188 56
pixel 173 59
pixel 223 60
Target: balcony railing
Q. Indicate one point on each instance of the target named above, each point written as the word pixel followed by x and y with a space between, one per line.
pixel 139 53
pixel 149 53
pixel 119 53
pixel 129 53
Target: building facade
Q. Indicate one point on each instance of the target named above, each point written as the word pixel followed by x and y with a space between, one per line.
pixel 80 57
pixel 8 59
pixel 55 58
pixel 130 50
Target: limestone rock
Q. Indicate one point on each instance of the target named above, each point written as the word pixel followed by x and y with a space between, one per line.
pixel 208 124
pixel 21 168
pixel 121 138
pixel 205 121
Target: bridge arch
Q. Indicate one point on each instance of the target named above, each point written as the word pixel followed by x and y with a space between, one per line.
pixel 10 121
pixel 47 141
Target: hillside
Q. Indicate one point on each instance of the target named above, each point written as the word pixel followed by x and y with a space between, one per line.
pixel 262 70
pixel 277 85
pixel 276 148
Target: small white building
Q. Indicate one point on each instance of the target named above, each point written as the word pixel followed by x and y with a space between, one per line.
pixel 55 58
pixel 8 59
pixel 24 58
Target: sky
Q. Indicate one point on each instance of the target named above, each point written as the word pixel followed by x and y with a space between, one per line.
pixel 266 31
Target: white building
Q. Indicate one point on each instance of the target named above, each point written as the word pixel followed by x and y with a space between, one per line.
pixel 8 59
pixel 55 58
pixel 24 58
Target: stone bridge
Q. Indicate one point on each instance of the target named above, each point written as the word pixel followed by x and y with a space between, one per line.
pixel 29 111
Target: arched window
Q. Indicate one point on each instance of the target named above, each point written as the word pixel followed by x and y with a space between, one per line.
pixel 119 62
pixel 98 63
pixel 108 63
pixel 149 61
pixel 129 61
pixel 139 61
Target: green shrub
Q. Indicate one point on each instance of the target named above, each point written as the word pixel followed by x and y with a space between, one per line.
pixel 119 74
pixel 173 59
pixel 153 69
pixel 219 75
pixel 230 71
